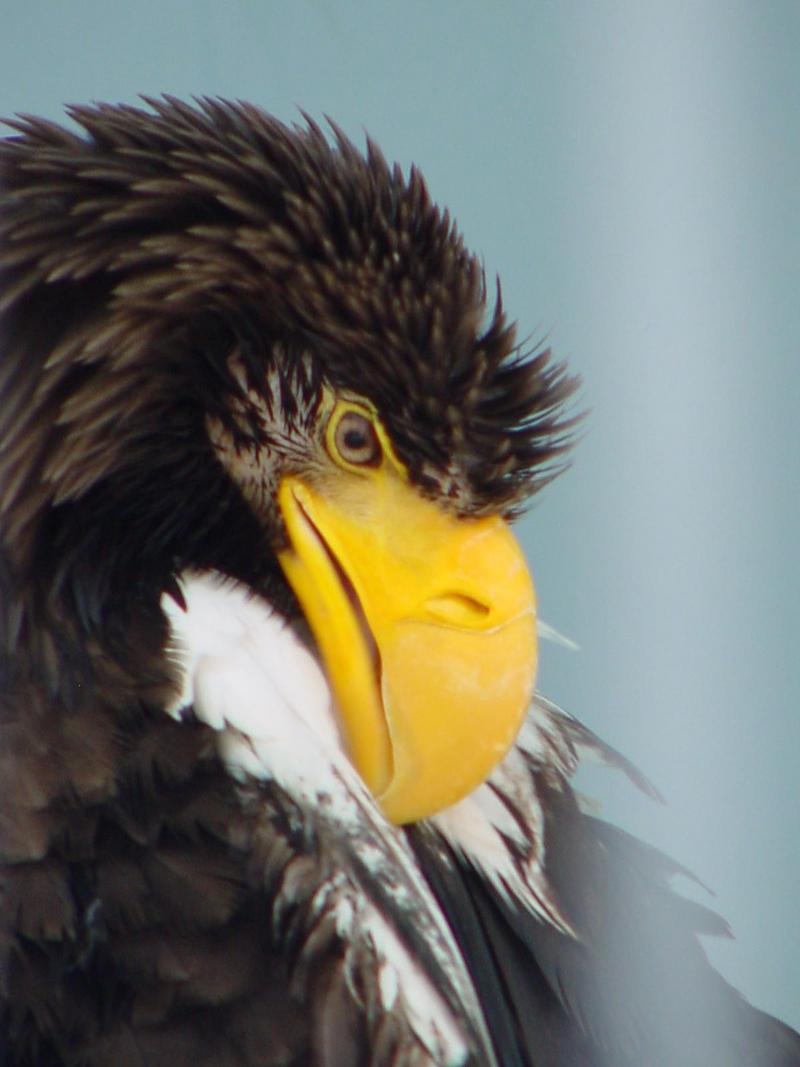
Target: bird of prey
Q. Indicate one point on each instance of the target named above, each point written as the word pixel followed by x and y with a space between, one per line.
pixel 276 787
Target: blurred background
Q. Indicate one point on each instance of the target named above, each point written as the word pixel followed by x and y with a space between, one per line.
pixel 631 170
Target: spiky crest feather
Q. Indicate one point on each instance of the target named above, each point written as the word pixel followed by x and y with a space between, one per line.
pixel 126 250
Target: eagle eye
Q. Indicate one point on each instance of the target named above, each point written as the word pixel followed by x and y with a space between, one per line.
pixel 355 440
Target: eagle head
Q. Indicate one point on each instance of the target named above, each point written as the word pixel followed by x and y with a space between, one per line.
pixel 236 345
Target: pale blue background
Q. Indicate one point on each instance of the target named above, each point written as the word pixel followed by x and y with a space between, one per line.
pixel 632 170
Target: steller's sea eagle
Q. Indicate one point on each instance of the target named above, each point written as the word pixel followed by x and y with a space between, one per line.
pixel 276 789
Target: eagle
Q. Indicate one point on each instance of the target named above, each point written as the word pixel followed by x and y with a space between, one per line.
pixel 276 785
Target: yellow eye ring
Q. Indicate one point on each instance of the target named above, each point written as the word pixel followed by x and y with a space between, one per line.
pixel 352 437
pixel 355 440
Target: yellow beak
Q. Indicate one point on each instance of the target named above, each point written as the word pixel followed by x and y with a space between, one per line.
pixel 426 627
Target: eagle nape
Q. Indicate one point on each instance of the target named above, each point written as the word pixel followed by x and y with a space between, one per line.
pixel 277 789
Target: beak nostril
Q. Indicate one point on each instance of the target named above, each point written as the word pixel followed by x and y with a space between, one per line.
pixel 457 609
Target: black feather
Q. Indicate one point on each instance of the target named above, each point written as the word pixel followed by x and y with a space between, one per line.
pixel 156 269
pixel 632 987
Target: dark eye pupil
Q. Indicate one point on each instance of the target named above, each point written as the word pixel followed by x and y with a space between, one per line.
pixel 355 440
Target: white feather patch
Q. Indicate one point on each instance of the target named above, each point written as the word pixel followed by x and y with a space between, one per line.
pixel 247 675
pixel 484 826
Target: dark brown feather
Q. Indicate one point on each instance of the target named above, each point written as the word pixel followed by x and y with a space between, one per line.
pixel 118 247
pixel 152 911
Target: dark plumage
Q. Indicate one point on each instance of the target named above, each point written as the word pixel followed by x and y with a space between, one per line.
pixel 178 289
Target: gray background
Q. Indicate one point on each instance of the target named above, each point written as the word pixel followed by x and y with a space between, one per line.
pixel 632 170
